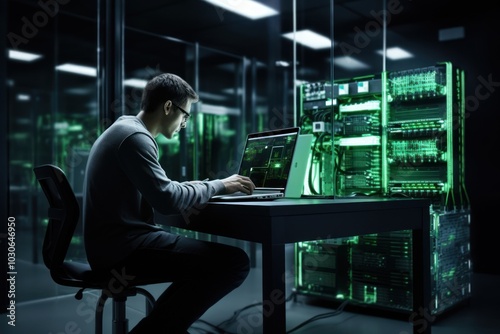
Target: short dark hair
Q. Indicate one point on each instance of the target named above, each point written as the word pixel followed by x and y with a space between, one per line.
pixel 166 86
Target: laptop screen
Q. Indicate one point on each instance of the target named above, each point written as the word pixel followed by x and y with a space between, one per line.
pixel 267 157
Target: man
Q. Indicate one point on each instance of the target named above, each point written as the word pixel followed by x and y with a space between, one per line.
pixel 125 184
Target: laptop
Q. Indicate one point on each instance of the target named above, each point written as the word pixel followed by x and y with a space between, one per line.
pixel 276 161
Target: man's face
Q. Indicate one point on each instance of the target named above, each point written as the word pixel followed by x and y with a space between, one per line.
pixel 176 119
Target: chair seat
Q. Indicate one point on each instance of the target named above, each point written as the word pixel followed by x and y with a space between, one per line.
pixel 80 274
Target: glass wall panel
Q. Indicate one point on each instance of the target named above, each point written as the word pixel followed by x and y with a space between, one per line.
pixel 212 135
pixel 221 114
pixel 52 108
pixel 147 55
pixel 348 38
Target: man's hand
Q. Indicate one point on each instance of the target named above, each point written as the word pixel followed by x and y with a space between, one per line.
pixel 237 182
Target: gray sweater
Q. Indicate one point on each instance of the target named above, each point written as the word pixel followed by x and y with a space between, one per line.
pixel 124 185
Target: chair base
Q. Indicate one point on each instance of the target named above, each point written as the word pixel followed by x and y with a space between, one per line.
pixel 120 321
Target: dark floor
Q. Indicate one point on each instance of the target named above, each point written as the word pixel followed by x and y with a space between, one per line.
pixel 43 307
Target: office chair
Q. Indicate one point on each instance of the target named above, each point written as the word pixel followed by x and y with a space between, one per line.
pixel 63 214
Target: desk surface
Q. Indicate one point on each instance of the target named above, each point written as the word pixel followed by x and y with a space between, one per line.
pixel 291 220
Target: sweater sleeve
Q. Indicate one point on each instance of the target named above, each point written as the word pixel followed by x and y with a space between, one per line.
pixel 138 157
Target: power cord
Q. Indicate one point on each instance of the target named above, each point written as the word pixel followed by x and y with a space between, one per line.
pixel 338 311
pixel 220 330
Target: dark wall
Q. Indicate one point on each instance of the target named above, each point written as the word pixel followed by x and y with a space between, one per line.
pixel 481 58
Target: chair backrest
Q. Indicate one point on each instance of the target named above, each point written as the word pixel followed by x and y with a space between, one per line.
pixel 63 214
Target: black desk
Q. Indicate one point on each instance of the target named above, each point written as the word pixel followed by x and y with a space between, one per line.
pixel 276 223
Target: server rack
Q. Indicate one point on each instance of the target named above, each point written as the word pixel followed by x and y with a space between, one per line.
pixel 397 134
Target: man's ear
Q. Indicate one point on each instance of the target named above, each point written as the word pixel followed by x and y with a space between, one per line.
pixel 167 106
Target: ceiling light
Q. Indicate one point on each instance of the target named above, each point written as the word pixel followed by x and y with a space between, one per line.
pixel 248 8
pixel 23 97
pixel 350 63
pixel 396 53
pixel 77 69
pixel 310 39
pixel 137 83
pixel 23 56
pixel 281 63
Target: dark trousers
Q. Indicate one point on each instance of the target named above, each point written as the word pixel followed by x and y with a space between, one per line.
pixel 201 273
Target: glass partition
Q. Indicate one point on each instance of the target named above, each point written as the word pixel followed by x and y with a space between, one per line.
pixel 147 55
pixel 52 113
pixel 218 118
pixel 221 113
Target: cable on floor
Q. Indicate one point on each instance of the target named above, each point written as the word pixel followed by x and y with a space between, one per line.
pixel 338 311
pixel 220 330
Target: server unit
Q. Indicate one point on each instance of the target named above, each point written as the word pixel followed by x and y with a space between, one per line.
pixel 358 115
pixel 317 118
pixel 425 135
pixel 399 134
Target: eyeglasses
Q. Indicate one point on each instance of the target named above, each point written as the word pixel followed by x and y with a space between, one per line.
pixel 186 114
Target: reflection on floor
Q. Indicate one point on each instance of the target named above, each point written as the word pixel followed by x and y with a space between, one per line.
pixel 43 307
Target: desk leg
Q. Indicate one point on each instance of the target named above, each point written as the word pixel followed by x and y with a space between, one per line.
pixel 273 289
pixel 421 316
